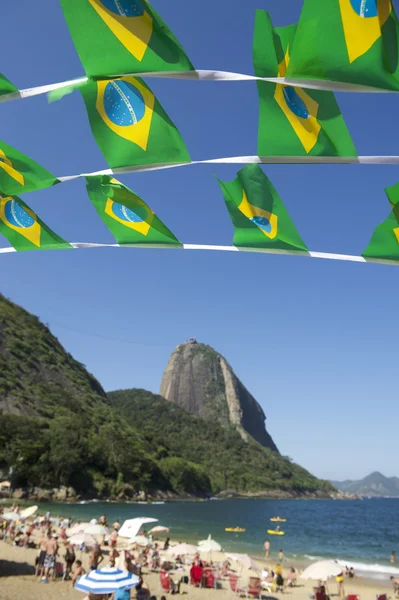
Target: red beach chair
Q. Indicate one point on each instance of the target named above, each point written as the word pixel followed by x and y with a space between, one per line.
pixel 233 579
pixel 353 597
pixel 208 578
pixel 254 587
pixel 165 583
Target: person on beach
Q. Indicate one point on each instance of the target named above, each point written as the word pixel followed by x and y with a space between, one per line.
pixel 281 556
pixel 395 584
pixel 114 538
pixel 291 578
pixel 266 546
pixel 166 544
pixel 51 558
pixel 96 557
pixel 42 555
pixel 69 558
pixel 340 585
pixel 393 557
pixel 78 572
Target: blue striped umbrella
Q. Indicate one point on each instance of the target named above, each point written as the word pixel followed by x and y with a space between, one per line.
pixel 106 581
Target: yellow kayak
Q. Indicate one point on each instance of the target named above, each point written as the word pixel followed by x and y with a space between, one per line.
pixel 278 520
pixel 235 529
pixel 274 532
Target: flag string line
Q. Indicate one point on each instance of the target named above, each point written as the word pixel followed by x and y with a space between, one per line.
pixel 234 160
pixel 206 247
pixel 204 75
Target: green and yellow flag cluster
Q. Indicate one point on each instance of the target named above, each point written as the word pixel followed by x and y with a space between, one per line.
pixel 384 243
pixel 130 220
pixel 259 216
pixel 352 41
pixel 129 124
pixel 293 121
pixel 120 37
pixel 19 173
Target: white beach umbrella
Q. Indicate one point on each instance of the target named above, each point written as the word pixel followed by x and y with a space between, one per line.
pixel 244 559
pixel 322 570
pixel 78 528
pixel 106 581
pixel 28 512
pixel 83 538
pixel 96 530
pixel 131 527
pixel 159 529
pixel 209 545
pixel 182 549
pixel 11 516
pixel 141 540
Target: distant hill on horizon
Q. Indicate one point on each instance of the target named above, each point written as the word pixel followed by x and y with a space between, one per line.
pixel 375 485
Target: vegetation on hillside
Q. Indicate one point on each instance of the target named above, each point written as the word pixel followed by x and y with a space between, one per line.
pixel 229 461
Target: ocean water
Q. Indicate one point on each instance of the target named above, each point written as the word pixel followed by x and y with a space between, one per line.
pixel 361 534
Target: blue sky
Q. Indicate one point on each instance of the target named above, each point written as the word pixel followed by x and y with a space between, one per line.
pixel 316 342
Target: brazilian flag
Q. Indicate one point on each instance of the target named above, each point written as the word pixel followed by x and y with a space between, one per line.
pixel 385 239
pixel 293 121
pixel 352 41
pixel 129 124
pixel 130 220
pixel 118 37
pixel 259 216
pixel 19 173
pixel 6 87
pixel 24 229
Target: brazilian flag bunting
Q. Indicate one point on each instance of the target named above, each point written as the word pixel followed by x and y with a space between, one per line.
pixel 352 41
pixel 293 121
pixel 119 37
pixel 24 229
pixel 6 87
pixel 128 217
pixel 19 173
pixel 385 239
pixel 259 216
pixel 129 124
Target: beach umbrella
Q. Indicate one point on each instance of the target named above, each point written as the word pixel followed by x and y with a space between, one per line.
pixel 182 549
pixel 209 545
pixel 131 527
pixel 322 570
pixel 141 540
pixel 245 560
pixel 96 530
pixel 106 581
pixel 11 516
pixel 159 529
pixel 83 538
pixel 28 512
pixel 78 528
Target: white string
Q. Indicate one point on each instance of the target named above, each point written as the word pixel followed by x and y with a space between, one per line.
pixel 206 247
pixel 205 75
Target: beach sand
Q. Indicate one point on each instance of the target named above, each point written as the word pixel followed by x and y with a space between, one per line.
pixel 17 582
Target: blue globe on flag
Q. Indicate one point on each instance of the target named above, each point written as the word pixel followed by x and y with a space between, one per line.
pixel 262 223
pixel 124 8
pixel 17 216
pixel 125 214
pixel 123 103
pixel 365 8
pixel 295 103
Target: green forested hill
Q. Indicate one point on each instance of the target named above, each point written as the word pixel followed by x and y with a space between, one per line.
pixel 58 427
pixel 229 461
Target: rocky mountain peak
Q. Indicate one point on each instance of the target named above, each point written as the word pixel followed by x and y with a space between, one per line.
pixel 201 381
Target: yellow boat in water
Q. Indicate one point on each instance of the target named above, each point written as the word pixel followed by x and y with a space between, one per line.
pixel 274 532
pixel 235 529
pixel 278 520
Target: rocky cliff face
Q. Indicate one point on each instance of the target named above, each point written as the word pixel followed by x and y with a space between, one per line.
pixel 202 382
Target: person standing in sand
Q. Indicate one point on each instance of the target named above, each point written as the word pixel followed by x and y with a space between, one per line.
pixel 266 546
pixel 50 559
pixel 340 584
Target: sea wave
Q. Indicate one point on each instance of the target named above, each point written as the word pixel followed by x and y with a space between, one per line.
pixel 373 570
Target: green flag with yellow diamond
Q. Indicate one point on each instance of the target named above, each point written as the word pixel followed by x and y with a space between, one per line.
pixel 385 239
pixel 6 87
pixel 118 37
pixel 24 229
pixel 19 173
pixel 353 41
pixel 293 121
pixel 259 216
pixel 129 124
pixel 128 217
